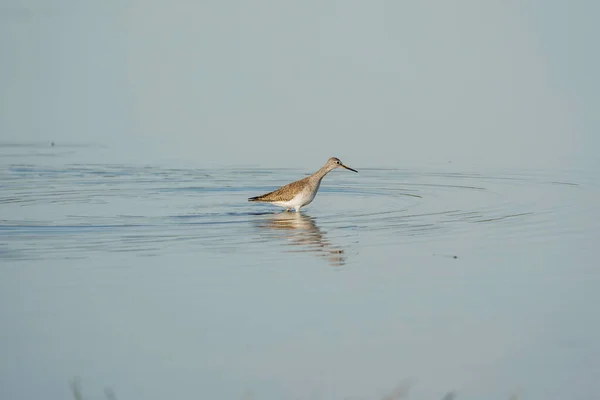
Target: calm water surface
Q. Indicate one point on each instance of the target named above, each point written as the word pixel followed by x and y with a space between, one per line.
pixel 162 282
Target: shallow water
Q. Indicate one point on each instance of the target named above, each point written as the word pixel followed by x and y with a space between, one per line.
pixel 164 282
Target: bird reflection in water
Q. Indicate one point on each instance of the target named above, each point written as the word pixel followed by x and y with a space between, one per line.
pixel 302 231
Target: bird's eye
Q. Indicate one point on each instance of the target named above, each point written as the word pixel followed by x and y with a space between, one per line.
pixel 338 162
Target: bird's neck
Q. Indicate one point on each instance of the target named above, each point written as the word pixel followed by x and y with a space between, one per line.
pixel 320 173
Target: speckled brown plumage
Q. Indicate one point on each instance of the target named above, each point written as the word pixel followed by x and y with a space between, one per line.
pixel 285 193
pixel 301 192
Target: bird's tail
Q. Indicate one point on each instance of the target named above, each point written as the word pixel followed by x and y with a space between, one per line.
pixel 256 198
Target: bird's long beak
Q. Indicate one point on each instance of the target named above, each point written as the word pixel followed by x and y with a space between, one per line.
pixel 349 168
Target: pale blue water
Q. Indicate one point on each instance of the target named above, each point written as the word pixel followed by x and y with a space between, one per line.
pixel 162 281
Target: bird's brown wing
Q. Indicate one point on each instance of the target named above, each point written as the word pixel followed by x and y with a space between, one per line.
pixel 284 193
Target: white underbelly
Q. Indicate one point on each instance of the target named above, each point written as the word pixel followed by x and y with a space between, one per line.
pixel 297 201
pixel 300 200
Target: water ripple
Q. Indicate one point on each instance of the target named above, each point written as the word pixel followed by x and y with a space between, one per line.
pixel 75 210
